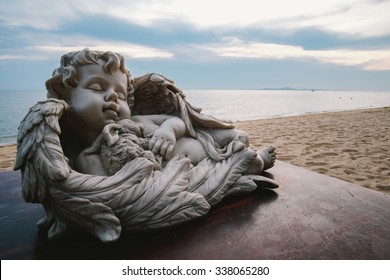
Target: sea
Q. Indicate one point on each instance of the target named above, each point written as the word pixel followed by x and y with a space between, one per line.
pixel 234 105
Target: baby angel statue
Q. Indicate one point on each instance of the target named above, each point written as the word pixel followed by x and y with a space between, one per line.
pixel 108 153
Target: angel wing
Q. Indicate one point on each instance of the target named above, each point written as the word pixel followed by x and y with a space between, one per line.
pixel 39 153
pixel 156 94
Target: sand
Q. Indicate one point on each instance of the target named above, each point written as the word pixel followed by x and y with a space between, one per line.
pixel 7 157
pixel 353 146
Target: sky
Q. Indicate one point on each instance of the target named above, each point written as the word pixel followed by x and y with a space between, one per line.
pixel 205 44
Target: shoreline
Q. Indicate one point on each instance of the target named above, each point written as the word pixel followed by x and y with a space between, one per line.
pixel 351 145
pixel 307 114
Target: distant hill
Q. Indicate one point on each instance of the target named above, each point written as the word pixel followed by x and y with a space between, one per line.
pixel 289 88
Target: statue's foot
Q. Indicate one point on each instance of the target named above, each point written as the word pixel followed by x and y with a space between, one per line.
pixel 268 155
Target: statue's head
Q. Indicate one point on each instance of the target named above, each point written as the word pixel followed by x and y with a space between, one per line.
pixel 98 88
pixel 65 78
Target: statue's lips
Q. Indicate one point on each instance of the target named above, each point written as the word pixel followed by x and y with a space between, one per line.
pixel 112 108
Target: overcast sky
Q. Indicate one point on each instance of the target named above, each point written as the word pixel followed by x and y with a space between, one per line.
pixel 205 44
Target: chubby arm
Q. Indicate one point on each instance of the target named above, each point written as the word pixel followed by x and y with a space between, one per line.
pixel 90 164
pixel 164 130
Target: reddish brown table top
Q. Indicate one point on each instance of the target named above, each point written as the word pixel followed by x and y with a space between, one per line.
pixel 311 216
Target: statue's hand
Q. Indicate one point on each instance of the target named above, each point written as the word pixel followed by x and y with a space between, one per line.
pixel 163 142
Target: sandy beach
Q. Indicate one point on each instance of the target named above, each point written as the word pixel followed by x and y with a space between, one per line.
pixel 7 156
pixel 353 146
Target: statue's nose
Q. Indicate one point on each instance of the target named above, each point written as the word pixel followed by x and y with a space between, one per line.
pixel 111 95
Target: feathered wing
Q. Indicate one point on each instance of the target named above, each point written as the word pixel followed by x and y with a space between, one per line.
pixel 160 200
pixel 135 198
pixel 214 180
pixel 156 94
pixel 39 152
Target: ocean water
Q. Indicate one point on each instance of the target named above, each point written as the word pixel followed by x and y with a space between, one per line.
pixel 237 105
pixel 14 105
pixel 232 105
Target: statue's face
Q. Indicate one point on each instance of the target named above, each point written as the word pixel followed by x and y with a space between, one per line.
pixel 99 98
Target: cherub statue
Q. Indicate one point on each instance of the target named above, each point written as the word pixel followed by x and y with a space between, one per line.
pixel 109 153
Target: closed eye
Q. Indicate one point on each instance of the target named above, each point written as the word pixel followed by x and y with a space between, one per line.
pixel 95 87
pixel 122 95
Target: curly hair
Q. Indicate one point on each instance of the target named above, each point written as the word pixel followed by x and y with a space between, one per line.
pixel 64 78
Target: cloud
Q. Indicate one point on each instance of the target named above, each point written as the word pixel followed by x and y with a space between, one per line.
pixel 357 18
pixel 38 14
pixel 129 50
pixel 46 46
pixel 234 48
pixel 11 57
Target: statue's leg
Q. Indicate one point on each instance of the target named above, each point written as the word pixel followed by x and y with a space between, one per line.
pixel 265 159
pixel 224 136
pixel 256 168
pixel 243 137
pixel 268 155
pixel 187 147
